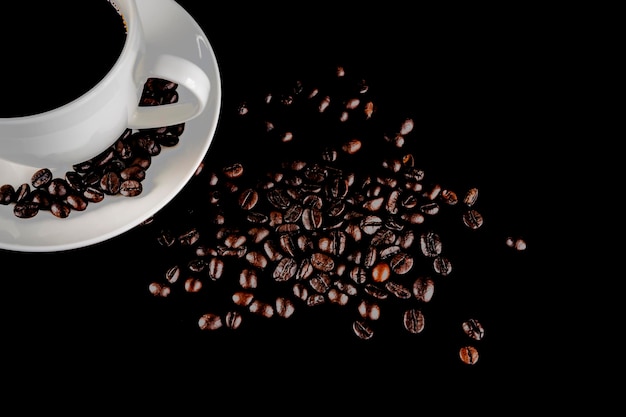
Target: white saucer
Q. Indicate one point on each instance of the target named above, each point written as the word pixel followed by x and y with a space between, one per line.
pixel 169 173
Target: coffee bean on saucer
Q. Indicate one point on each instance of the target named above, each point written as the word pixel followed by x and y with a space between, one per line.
pixel 130 188
pixel 58 187
pixel 60 209
pixel 76 202
pixel 110 183
pixel 75 181
pixel 7 194
pixel 40 197
pixel 25 209
pixel 41 178
pixel 22 191
pixel 93 194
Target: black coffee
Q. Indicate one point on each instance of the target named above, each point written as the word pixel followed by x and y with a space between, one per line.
pixel 52 55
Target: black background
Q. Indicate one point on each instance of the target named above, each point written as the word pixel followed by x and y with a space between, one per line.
pixel 482 89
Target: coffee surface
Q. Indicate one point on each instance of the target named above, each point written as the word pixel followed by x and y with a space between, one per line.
pixel 55 52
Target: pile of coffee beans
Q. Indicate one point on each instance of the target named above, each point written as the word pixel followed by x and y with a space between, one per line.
pixel 117 171
pixel 347 217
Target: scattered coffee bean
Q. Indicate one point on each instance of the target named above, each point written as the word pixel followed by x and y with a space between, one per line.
pixel 473 329
pixel 320 228
pixel 468 354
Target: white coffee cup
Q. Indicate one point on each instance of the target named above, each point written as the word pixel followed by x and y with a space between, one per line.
pixel 86 126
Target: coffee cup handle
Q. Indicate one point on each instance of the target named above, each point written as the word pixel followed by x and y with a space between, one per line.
pixel 178 59
pixel 185 74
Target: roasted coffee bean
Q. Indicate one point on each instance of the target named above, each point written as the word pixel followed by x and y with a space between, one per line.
pixel 473 219
pixel 193 284
pixel 312 218
pixel 248 199
pixel 22 191
pixel 196 265
pixel 75 181
pixel 166 238
pixel 133 172
pixel 286 269
pixel 398 290
pixel 322 262
pixel 413 320
pixel 287 244
pixel 375 291
pixel 284 307
pixel 242 298
pixel 305 269
pixel 261 308
pixel 159 290
pixel 60 209
pixel 235 240
pixel 358 274
pixel 256 259
pixel 58 187
pixel 292 214
pixel 449 197
pixel 210 321
pixel 110 183
pixel 215 268
pixel 248 278
pixel 369 310
pixel 300 291
pixel 233 171
pixel 279 198
pixel 7 194
pixel 147 143
pixel 470 197
pixel 383 237
pixel 315 300
pixel 189 237
pixel 93 194
pixel 168 140
pixel 430 208
pixel 468 355
pixel 116 165
pixel 390 252
pixel 401 263
pixel 320 282
pixel 41 178
pixel 130 188
pixel 423 288
pixel 442 265
pixel 76 202
pixel 430 244
pixel 381 272
pixel 516 243
pixel 92 179
pixel 272 251
pixel 258 218
pixel 362 329
pixel 143 161
pixel 25 209
pixel 172 274
pixel 41 198
pixel 473 329
pixel 233 319
pixel 371 224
